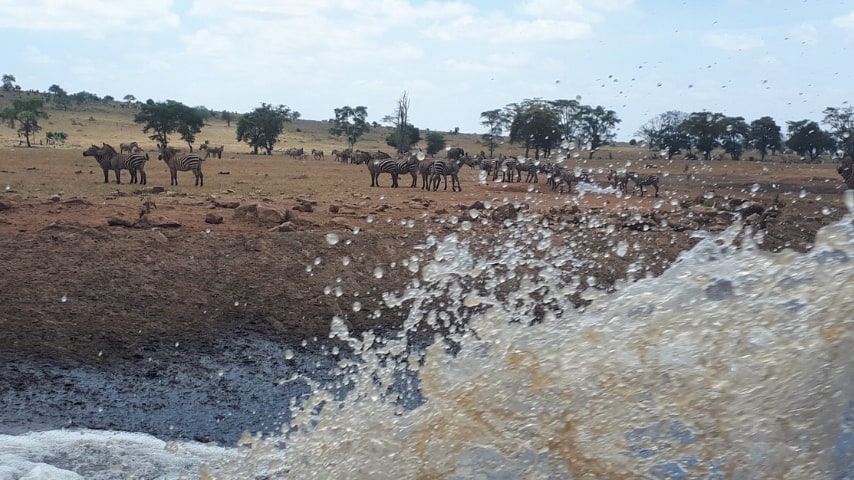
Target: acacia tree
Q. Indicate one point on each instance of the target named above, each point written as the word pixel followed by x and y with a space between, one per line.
pixel 808 140
pixel 568 114
pixel 59 96
pixel 664 132
pixel 261 127
pixel 9 82
pixel 535 124
pixel 705 130
pixel 164 118
pixel 350 122
pixel 25 114
pixel 764 136
pixel 596 126
pixel 227 116
pixel 841 120
pixel 734 136
pixel 495 122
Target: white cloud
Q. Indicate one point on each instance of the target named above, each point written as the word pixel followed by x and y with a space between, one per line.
pixel 845 21
pixel 36 56
pixel 805 33
pixel 93 18
pixel 732 41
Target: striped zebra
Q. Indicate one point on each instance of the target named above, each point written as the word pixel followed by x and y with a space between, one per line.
pixel 644 180
pixel 317 154
pixel 509 174
pixel 619 180
pixel 491 166
pixel 109 159
pixel 846 169
pixel 211 151
pixel 442 168
pixel 128 147
pixel 394 167
pixel 185 162
pixel 531 169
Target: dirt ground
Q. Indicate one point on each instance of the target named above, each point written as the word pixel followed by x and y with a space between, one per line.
pixel 103 276
pixel 90 276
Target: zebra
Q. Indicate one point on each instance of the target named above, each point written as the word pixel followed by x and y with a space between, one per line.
pixel 531 169
pixel 317 154
pixel 643 180
pixel 441 168
pixel 455 153
pixel 509 172
pixel 184 162
pixel 295 152
pixel 846 170
pixel 128 147
pixel 394 167
pixel 491 166
pixel 619 180
pixel 215 152
pixel 109 159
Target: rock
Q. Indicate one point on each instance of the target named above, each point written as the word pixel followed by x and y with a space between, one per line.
pixel 504 213
pixel 119 222
pixel 158 189
pixel 231 204
pixel 54 198
pixel 259 214
pixel 158 221
pixel 5 204
pixel 159 236
pixel 213 219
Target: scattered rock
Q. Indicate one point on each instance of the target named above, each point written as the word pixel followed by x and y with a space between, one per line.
pixel 159 236
pixel 54 198
pixel 76 201
pixel 259 214
pixel 231 204
pixel 5 204
pixel 213 219
pixel 119 222
pixel 158 221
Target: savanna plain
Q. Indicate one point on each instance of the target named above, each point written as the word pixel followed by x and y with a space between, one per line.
pixel 103 277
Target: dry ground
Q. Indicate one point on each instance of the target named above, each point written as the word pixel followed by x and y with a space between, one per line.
pixel 104 277
pixel 132 277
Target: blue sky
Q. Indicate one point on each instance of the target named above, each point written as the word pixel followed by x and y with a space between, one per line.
pixel 455 59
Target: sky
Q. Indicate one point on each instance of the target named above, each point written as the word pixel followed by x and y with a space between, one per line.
pixel 454 59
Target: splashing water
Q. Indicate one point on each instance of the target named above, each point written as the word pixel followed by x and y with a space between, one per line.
pixel 734 363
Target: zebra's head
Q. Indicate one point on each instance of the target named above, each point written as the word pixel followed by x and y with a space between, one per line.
pixel 92 151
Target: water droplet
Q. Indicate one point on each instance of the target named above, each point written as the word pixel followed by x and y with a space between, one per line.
pixel 345 261
pixel 378 272
pixel 754 188
pixel 64 299
pixel 369 219
pixel 289 354
pixel 332 238
pixel 466 225
pixel 357 306
pixel 339 291
pixel 356 230
pixel 177 343
pixel 622 248
pixel 802 194
pixel 236 303
pixel 317 260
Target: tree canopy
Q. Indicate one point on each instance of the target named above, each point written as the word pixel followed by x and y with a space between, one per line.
pixel 435 142
pixel 25 114
pixel 350 123
pixel 165 118
pixel 261 127
pixel 807 139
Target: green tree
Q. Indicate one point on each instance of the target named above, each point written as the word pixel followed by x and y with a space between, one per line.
pixel 597 126
pixel 9 82
pixel 664 132
pixel 350 123
pixel 25 114
pixel 841 121
pixel 535 125
pixel 410 136
pixel 568 112
pixel 56 137
pixel 495 121
pixel 59 96
pixel 734 136
pixel 435 142
pixel 765 136
pixel 83 96
pixel 705 130
pixel 227 116
pixel 261 128
pixel 807 139
pixel 165 118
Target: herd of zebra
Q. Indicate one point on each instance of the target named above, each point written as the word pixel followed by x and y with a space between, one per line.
pixel 133 159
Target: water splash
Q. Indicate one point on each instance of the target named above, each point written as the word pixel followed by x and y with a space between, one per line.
pixel 734 363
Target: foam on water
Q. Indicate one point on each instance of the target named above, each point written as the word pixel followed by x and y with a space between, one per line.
pixel 734 363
